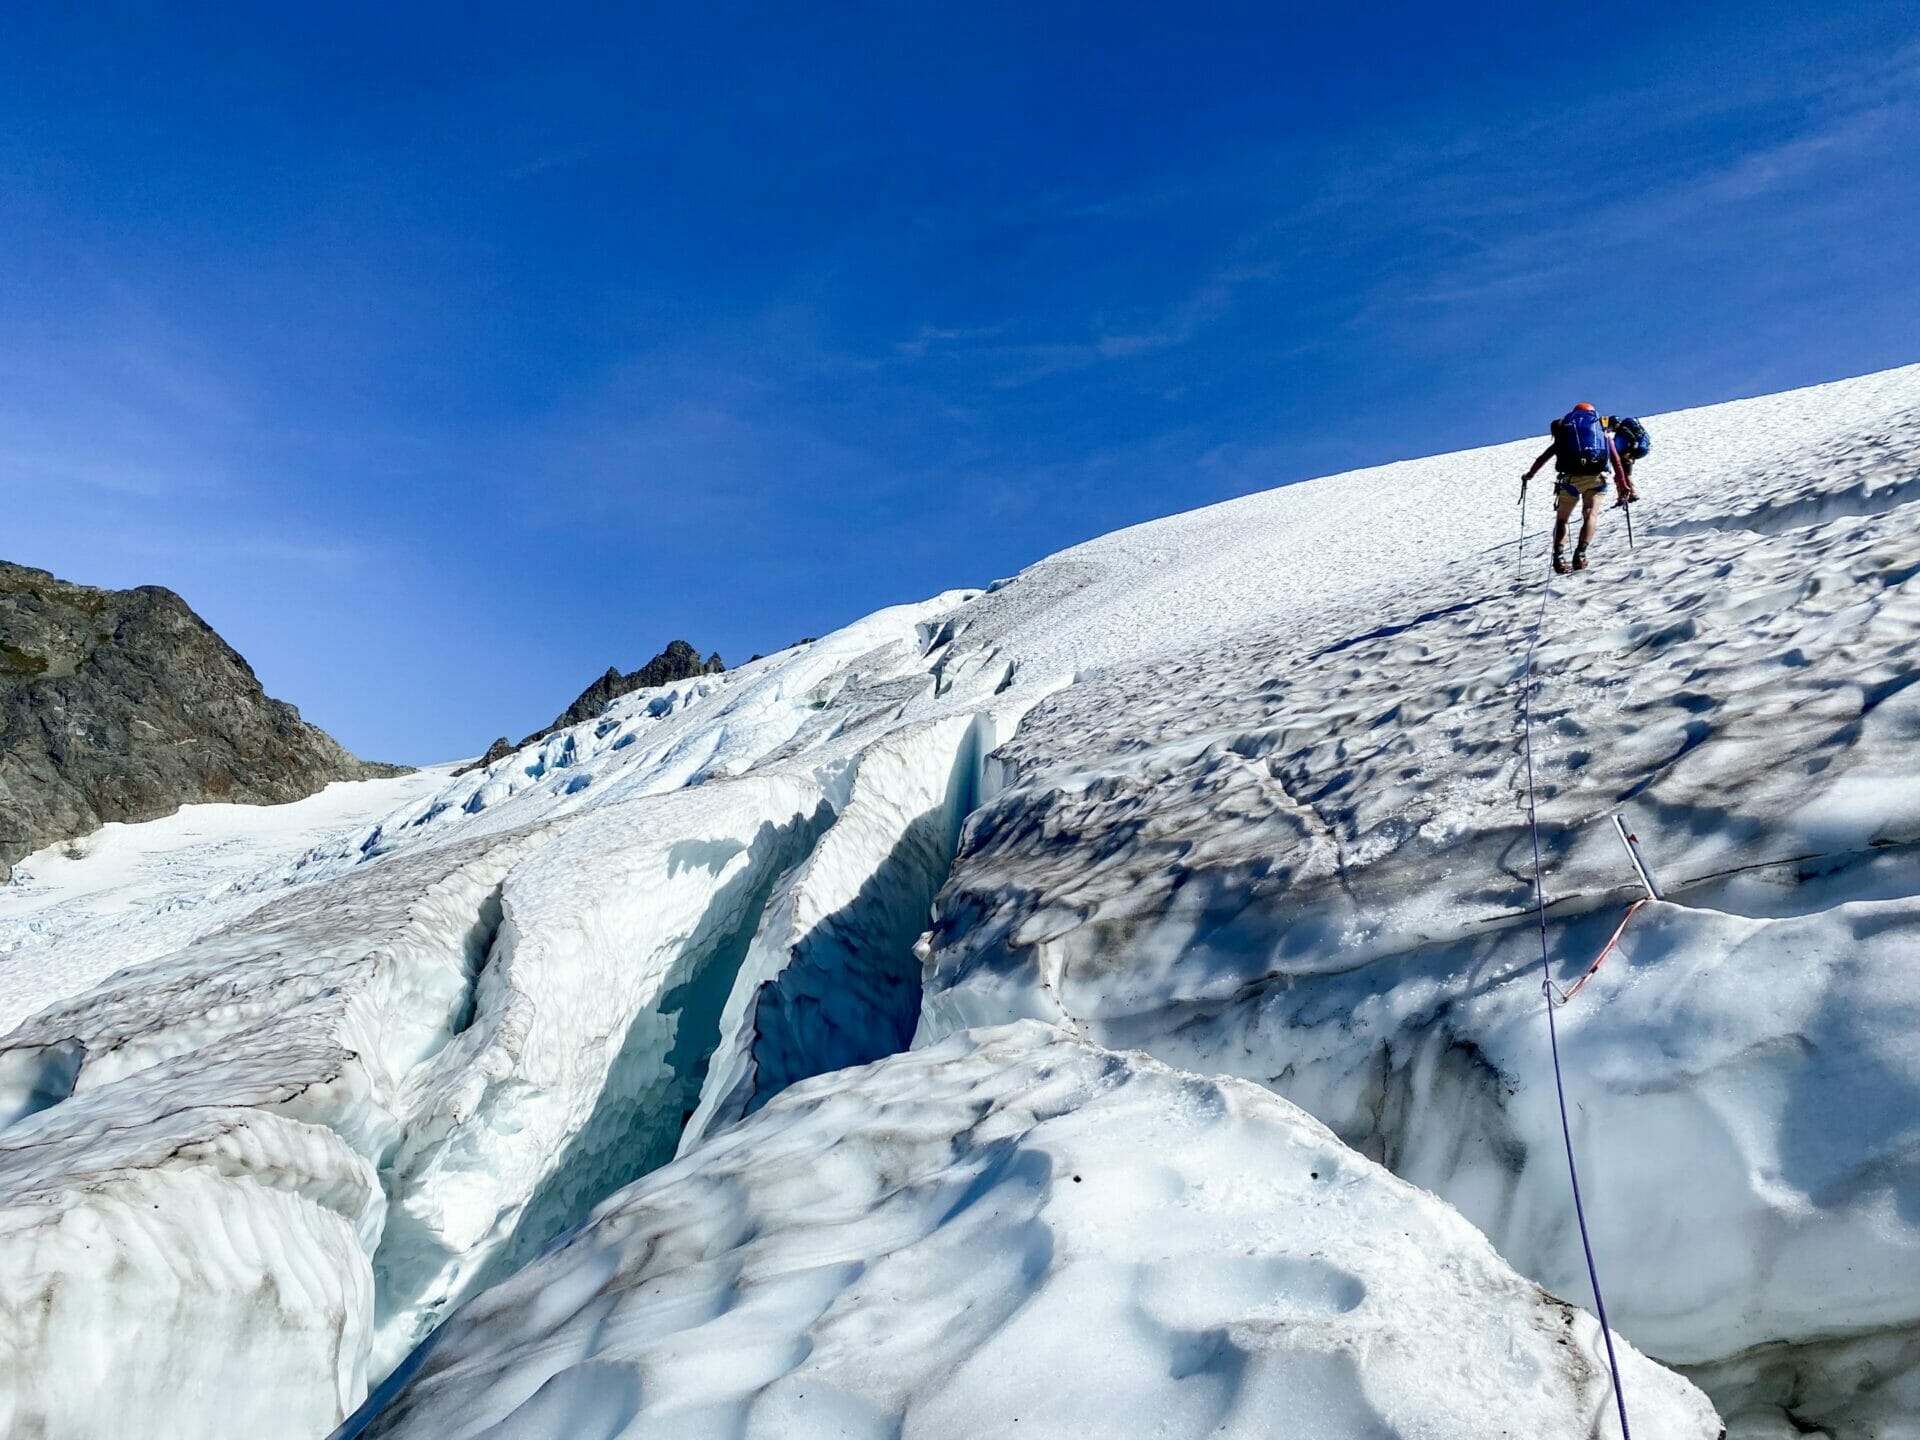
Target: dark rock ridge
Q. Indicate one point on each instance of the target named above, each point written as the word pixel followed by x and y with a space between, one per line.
pixel 125 705
pixel 679 661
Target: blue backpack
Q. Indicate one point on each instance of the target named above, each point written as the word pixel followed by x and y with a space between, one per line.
pixel 1630 438
pixel 1580 443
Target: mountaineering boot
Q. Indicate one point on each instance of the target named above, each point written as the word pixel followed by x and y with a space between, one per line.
pixel 1559 563
pixel 1580 558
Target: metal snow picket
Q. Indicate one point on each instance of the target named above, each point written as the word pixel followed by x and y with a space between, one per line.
pixel 1638 861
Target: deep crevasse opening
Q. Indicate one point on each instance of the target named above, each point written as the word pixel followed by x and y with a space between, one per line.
pixel 654 1080
pixel 832 977
pixel 444 1058
pixel 661 970
pixel 614 949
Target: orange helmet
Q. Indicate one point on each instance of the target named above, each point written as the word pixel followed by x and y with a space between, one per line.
pixel 1583 405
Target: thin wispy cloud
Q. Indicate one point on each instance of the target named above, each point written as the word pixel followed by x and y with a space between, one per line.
pixel 605 320
pixel 113 399
pixel 329 559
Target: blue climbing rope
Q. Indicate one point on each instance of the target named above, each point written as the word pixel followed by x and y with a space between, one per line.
pixel 1553 1032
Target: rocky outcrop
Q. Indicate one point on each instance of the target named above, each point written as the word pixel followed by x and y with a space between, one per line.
pixel 125 705
pixel 498 750
pixel 679 661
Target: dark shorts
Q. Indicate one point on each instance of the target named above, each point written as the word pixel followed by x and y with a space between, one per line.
pixel 1575 486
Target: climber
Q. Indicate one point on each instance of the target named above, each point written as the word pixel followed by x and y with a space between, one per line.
pixel 1582 453
pixel 1630 442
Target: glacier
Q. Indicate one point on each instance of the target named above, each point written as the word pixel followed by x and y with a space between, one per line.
pixel 299 1104
pixel 931 1244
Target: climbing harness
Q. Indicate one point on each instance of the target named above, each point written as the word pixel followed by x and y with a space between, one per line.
pixel 1553 1033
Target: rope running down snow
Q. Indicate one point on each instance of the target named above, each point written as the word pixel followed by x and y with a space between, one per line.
pixel 1546 988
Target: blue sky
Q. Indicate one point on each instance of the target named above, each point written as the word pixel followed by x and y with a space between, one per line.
pixel 443 358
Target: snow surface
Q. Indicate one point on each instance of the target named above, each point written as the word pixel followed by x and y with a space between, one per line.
pixel 1304 861
pixel 1238 788
pixel 81 909
pixel 1016 1234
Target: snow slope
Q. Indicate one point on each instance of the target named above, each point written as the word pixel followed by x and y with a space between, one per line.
pixel 80 910
pixel 473 1020
pixel 927 1246
pixel 1324 887
pixel 1238 788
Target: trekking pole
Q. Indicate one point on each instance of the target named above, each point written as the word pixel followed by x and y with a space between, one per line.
pixel 1520 555
pixel 1629 526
